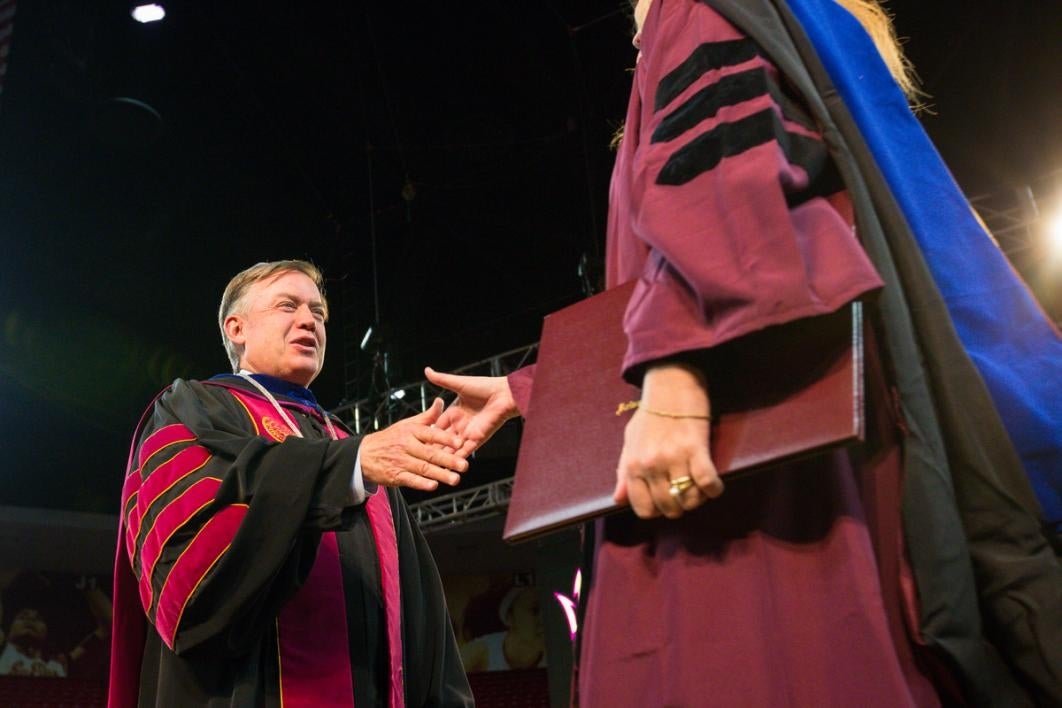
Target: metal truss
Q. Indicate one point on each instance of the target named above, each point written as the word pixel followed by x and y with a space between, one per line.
pixel 1009 219
pixel 374 412
pixel 1014 217
pixel 464 506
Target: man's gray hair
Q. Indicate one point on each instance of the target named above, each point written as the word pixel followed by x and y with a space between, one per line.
pixel 232 298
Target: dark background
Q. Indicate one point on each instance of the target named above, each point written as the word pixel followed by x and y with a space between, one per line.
pixel 461 147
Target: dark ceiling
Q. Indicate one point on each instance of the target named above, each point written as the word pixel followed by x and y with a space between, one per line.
pixel 459 147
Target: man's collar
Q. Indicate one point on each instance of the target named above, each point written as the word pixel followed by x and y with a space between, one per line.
pixel 278 386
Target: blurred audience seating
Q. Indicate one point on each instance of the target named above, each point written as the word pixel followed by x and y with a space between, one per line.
pixel 527 688
pixel 40 692
pixel 492 689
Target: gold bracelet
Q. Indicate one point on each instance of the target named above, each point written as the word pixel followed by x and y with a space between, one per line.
pixel 667 414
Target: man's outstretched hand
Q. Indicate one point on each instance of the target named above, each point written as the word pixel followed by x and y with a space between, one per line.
pixel 482 406
pixel 414 453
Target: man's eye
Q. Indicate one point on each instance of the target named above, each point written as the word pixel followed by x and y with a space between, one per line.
pixel 287 305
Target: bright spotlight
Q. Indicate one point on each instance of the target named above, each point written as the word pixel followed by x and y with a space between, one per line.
pixel 399 394
pixel 148 13
pixel 1054 232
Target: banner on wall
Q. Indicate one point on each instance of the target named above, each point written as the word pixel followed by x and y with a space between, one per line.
pixel 497 620
pixel 54 624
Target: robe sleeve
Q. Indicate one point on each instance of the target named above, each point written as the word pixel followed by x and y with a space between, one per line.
pixel 222 525
pixel 720 196
pixel 521 382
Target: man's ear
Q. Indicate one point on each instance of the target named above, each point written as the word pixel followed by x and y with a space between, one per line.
pixel 234 329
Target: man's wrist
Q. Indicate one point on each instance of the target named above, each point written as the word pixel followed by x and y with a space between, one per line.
pixel 359 486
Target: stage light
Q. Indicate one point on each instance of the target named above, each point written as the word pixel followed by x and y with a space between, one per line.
pixel 366 338
pixel 1054 232
pixel 148 13
pixel 398 395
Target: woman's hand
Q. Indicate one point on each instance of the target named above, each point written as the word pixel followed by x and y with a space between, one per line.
pixel 659 450
pixel 484 404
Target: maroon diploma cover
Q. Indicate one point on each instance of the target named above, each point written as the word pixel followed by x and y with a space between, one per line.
pixel 779 394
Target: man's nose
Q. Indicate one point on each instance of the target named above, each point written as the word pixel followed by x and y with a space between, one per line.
pixel 305 318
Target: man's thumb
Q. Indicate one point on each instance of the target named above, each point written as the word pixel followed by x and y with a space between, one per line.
pixel 431 414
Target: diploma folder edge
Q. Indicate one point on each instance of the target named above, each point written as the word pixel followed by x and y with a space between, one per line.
pixel 781 394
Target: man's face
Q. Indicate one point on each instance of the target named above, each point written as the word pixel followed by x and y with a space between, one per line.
pixel 281 328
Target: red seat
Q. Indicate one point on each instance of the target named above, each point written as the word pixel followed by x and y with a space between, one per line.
pixel 526 688
pixel 48 692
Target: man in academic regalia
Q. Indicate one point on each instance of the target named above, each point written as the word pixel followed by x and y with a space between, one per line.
pixel 270 553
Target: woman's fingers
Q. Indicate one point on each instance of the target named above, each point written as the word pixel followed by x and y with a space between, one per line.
pixel 666 467
pixel 704 474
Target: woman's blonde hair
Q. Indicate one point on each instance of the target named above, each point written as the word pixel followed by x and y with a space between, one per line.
pixel 878 24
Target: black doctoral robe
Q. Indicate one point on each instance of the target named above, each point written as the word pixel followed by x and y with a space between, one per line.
pixel 231 523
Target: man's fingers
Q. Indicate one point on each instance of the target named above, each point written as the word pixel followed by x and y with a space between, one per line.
pixel 414 472
pixel 426 469
pixel 436 436
pixel 401 473
pixel 415 481
pixel 437 456
pixel 451 420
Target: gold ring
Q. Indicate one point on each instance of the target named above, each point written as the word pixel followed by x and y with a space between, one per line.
pixel 680 485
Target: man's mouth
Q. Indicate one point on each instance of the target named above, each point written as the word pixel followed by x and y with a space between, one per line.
pixel 307 342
